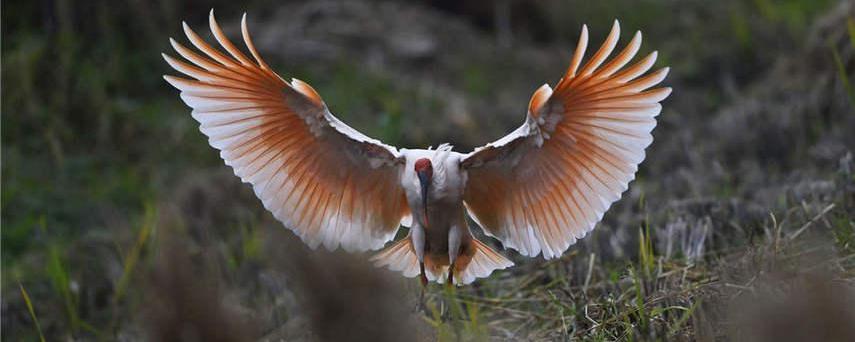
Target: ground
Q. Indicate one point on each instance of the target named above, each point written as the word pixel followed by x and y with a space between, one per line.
pixel 120 223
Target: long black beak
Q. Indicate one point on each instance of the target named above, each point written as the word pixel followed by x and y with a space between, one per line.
pixel 424 179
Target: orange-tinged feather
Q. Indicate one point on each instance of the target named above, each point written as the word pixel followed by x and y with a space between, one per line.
pixel 246 111
pixel 636 69
pixel 565 182
pixel 603 52
pixel 221 38
pixel 622 58
pixel 244 30
pixel 577 55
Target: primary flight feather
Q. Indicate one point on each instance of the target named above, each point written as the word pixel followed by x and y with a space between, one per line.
pixel 537 190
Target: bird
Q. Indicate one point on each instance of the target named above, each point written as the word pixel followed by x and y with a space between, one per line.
pixel 537 190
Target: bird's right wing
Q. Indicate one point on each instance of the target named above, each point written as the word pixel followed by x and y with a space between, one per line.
pixel 322 179
pixel 545 185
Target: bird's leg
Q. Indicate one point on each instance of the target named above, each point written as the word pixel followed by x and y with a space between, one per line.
pixel 421 305
pixel 418 237
pixel 446 314
pixel 422 275
pixel 451 275
pixel 455 240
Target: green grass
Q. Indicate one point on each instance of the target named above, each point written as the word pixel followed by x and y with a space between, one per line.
pixel 656 307
pixel 133 255
pixel 842 73
pixel 454 318
pixel 32 312
pixel 850 28
pixel 56 270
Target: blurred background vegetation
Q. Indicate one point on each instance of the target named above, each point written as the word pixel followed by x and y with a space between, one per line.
pixel 119 222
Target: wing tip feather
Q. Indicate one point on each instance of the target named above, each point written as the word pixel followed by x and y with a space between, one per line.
pixel 516 235
pixel 173 81
pixel 219 64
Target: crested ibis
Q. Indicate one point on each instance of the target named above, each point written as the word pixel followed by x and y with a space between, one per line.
pixel 537 190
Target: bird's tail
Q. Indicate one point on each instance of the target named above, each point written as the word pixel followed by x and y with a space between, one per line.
pixel 476 260
pixel 400 256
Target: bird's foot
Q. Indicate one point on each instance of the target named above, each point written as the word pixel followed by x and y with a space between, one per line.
pixel 420 303
pixel 420 306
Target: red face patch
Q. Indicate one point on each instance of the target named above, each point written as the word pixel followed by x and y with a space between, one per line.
pixel 424 165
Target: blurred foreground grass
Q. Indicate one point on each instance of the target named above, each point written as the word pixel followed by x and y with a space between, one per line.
pixel 119 222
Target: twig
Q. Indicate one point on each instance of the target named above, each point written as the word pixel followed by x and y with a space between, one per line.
pixel 589 318
pixel 808 223
pixel 590 271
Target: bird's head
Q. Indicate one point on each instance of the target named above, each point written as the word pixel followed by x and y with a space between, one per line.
pixel 424 169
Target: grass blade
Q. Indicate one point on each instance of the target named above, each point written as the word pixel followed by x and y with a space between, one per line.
pixel 841 71
pixel 135 252
pixel 32 311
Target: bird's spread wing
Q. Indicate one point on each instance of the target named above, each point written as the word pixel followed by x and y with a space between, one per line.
pixel 545 185
pixel 324 180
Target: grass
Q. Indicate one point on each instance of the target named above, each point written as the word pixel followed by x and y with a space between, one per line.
pixel 132 257
pixel 58 274
pixel 32 311
pixel 842 73
pixel 657 306
pixel 850 28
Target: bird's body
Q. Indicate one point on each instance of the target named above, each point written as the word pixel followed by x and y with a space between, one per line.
pixel 444 217
pixel 440 233
pixel 538 189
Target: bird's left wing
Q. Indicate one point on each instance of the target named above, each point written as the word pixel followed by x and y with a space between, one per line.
pixel 324 180
pixel 545 185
